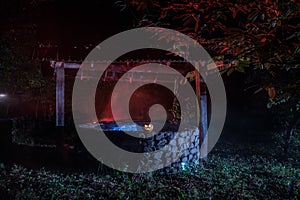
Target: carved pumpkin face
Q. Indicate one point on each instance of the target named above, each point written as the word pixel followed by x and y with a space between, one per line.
pixel 148 127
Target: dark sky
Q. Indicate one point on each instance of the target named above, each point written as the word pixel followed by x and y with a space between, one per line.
pixel 64 21
pixel 82 20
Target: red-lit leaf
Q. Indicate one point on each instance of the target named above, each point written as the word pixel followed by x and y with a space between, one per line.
pixel 271 92
pixel 223 50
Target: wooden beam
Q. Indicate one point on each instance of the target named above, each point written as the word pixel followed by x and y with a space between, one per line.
pixel 211 68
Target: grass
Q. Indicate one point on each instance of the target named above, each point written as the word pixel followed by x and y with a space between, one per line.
pixel 232 172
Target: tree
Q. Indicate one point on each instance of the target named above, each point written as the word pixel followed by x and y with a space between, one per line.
pixel 247 30
pixel 261 37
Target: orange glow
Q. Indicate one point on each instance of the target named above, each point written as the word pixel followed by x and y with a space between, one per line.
pixel 148 127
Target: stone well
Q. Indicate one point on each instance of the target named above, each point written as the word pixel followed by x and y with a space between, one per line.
pixel 189 158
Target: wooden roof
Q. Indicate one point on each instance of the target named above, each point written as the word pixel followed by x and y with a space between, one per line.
pixel 73 57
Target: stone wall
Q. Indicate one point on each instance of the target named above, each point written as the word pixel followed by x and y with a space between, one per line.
pixel 189 158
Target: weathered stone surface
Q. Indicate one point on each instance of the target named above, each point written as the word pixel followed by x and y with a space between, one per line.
pixel 173 142
pixel 159 136
pixel 189 156
pixel 184 159
pixel 162 142
pixel 194 151
pixel 158 155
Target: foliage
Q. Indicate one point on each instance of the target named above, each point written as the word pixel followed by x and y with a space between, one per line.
pixel 20 75
pixel 285 109
pixel 262 34
pixel 232 172
pixel 286 103
pixel 247 31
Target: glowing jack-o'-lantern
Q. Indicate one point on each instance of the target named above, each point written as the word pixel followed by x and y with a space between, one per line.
pixel 148 127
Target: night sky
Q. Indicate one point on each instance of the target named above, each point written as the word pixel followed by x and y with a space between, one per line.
pixel 66 22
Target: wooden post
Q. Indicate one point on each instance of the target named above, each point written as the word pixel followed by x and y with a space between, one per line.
pixel 198 87
pixel 60 94
pixel 202 111
pixel 197 82
pixel 204 122
pixel 60 109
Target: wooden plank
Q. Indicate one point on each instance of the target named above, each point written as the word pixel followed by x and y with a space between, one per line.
pixel 60 94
